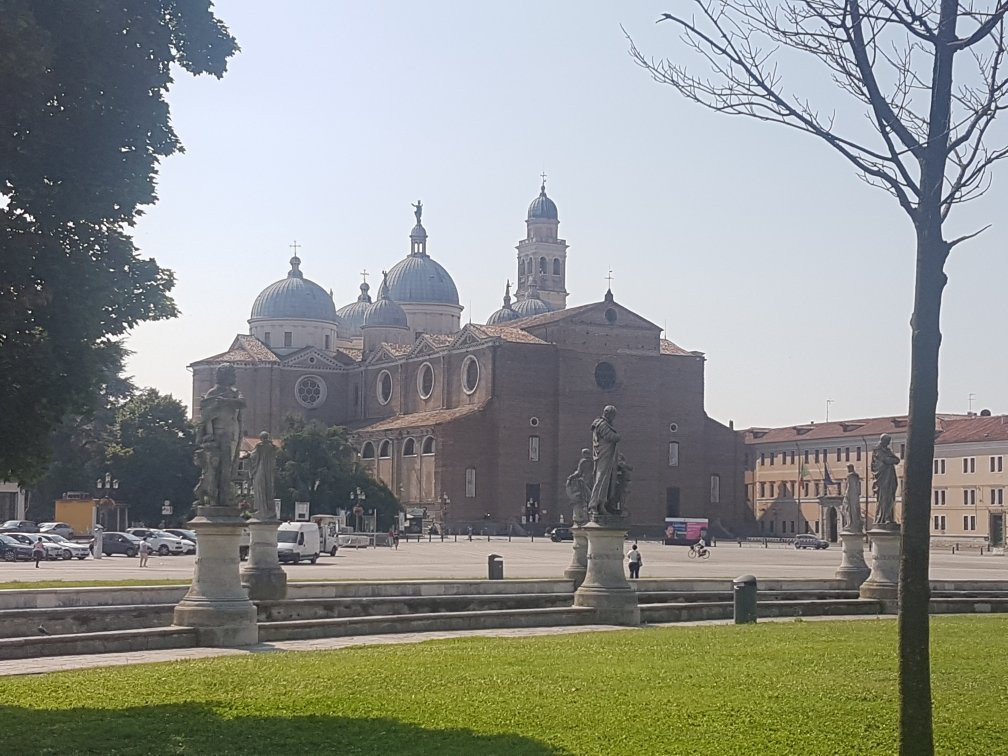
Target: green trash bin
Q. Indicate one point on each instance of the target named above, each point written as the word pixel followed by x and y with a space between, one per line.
pixel 744 588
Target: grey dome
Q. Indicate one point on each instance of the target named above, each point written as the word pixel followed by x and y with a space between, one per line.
pixel 542 207
pixel 385 312
pixel 531 306
pixel 505 313
pixel 294 297
pixel 418 278
pixel 352 315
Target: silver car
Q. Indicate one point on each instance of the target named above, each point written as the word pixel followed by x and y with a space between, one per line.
pixel 66 548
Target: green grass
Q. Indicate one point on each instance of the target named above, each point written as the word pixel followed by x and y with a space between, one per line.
pixel 22 585
pixel 803 687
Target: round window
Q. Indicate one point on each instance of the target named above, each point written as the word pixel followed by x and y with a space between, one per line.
pixel 310 391
pixel 605 375
pixel 534 422
pixel 673 427
pixel 425 381
pixel 611 315
pixel 470 374
pixel 384 387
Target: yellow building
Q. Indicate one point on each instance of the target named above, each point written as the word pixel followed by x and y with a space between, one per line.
pixel 789 468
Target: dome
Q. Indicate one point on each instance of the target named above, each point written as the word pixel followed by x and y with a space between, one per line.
pixel 542 207
pixel 418 278
pixel 352 315
pixel 294 297
pixel 505 313
pixel 385 312
pixel 532 305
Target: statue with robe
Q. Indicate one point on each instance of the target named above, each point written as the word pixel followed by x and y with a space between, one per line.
pixel 604 498
pixel 850 512
pixel 578 487
pixel 883 467
pixel 263 465
pixel 219 439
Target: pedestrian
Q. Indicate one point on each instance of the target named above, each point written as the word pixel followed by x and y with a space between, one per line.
pixel 470 532
pixel 391 537
pixel 144 551
pixel 38 551
pixel 395 539
pixel 634 558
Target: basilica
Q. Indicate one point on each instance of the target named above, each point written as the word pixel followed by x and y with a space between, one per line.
pixel 479 425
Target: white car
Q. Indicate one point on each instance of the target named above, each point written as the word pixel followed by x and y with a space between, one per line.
pixel 185 535
pixel 52 550
pixel 161 542
pixel 56 528
pixel 66 549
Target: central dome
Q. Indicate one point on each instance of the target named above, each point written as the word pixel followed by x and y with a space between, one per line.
pixel 542 207
pixel 294 297
pixel 418 278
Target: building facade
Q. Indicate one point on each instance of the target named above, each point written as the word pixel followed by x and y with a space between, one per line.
pixel 787 470
pixel 480 425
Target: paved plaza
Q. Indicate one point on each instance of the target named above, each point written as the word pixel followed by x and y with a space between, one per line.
pixel 522 559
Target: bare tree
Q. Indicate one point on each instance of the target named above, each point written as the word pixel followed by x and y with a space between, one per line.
pixel 927 145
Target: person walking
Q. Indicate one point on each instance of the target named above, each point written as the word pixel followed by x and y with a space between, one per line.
pixel 38 551
pixel 144 551
pixel 634 558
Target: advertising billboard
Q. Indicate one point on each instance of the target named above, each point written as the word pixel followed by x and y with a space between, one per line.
pixel 684 531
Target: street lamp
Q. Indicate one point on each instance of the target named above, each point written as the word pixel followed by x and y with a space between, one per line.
pixel 105 485
pixel 357 498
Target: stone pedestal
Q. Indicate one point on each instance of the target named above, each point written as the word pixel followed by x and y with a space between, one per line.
pixel 853 570
pixel 217 605
pixel 578 567
pixel 605 587
pixel 263 576
pixel 883 582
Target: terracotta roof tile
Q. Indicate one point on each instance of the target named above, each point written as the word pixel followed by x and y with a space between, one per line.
pixel 667 347
pixel 244 348
pixel 397 350
pixel 510 333
pixel 418 419
pixel 973 429
pixel 356 355
pixel 869 426
pixel 551 317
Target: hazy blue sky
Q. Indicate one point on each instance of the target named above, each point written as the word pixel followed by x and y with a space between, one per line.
pixel 749 242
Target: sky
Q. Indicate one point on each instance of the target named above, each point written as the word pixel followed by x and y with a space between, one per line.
pixel 752 243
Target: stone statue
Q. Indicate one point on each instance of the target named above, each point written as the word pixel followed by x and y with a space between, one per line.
pixel 418 211
pixel 850 512
pixel 883 467
pixel 578 487
pixel 263 460
pixel 605 441
pixel 219 439
pixel 623 471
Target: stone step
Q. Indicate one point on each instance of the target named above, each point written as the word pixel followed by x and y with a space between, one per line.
pixel 666 597
pixel 142 639
pixel 367 589
pixel 966 605
pixel 421 622
pixel 695 611
pixel 323 608
pixel 15 623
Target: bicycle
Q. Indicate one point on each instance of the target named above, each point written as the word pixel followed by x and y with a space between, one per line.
pixel 695 553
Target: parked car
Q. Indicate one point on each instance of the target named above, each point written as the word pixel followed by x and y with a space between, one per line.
pixel 163 543
pixel 185 535
pixel 119 543
pixel 52 551
pixel 297 540
pixel 809 541
pixel 560 533
pixel 19 526
pixel 12 549
pixel 65 548
pixel 59 528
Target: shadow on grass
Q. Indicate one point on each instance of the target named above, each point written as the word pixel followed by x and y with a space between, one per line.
pixel 191 728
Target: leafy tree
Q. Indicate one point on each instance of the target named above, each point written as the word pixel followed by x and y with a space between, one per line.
pixel 930 148
pixel 318 465
pixel 83 127
pixel 80 442
pixel 152 455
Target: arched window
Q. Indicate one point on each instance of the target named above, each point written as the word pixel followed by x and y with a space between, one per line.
pixel 425 381
pixel 557 269
pixel 428 445
pixel 542 265
pixel 409 448
pixel 385 450
pixel 368 451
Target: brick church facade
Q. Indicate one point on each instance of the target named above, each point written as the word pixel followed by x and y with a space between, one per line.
pixel 480 425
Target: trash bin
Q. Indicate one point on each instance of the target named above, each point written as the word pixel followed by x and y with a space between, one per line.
pixel 495 567
pixel 745 599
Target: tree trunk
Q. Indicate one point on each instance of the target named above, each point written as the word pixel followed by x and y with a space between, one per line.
pixel 916 736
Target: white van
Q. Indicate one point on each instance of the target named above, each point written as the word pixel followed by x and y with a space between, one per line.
pixel 297 541
pixel 329 530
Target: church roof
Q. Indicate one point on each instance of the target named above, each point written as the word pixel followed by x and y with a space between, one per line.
pixel 667 347
pixel 244 348
pixel 385 311
pixel 509 333
pixel 294 297
pixel 542 207
pixel 418 278
pixel 418 419
pixel 352 315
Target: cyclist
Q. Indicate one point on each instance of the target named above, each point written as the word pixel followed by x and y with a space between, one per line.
pixel 700 547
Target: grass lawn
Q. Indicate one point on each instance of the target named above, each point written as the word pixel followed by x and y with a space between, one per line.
pixel 802 687
pixel 24 585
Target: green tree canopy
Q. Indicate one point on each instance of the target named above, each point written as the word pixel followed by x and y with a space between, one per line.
pixel 152 455
pixel 318 464
pixel 83 127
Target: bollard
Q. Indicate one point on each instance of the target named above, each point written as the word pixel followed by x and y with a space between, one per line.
pixel 744 589
pixel 495 567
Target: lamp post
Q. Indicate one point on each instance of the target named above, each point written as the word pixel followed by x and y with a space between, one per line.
pixel 445 503
pixel 105 486
pixel 357 498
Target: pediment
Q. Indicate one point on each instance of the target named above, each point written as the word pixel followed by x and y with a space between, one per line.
pixel 311 357
pixel 423 347
pixel 470 336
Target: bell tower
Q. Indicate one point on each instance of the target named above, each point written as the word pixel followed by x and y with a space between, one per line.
pixel 542 255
